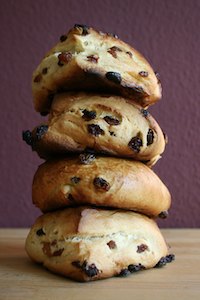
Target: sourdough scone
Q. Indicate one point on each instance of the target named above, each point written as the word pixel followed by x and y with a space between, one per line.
pixel 86 59
pixel 100 181
pixel 107 124
pixel 89 244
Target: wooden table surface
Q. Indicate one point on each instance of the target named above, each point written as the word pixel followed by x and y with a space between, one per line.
pixel 22 279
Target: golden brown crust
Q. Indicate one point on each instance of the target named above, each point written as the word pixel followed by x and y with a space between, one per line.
pixel 89 244
pixel 103 181
pixel 94 62
pixel 107 124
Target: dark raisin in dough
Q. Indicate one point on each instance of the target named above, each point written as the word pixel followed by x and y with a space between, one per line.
pixel 27 137
pixel 40 232
pixel 84 28
pixel 88 115
pixel 163 214
pixel 141 248
pixel 150 137
pixel 111 120
pixel 144 112
pixel 64 58
pixel 70 198
pixel 93 58
pixel 143 73
pixel 40 131
pixel 95 129
pixel 101 183
pixel 75 180
pixel 135 268
pixel 86 158
pixel 114 76
pixel 124 273
pixel 58 252
pixel 90 270
pixel 111 244
pixel 135 144
pixel 63 38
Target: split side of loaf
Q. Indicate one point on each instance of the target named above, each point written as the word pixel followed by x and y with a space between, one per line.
pixel 89 244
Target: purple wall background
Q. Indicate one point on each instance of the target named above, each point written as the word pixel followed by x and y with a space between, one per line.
pixel 166 32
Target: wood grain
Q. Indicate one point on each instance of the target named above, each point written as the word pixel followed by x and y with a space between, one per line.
pixel 22 279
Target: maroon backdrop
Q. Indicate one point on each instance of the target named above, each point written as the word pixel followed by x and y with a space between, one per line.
pixel 166 32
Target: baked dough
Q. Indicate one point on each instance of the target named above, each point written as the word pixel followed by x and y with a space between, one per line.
pixel 86 59
pixel 100 181
pixel 108 124
pixel 89 244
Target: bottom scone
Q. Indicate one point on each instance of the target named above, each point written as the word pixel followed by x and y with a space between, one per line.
pixel 88 244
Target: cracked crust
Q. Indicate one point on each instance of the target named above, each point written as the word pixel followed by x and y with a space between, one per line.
pixel 106 181
pixel 108 124
pixel 96 62
pixel 89 244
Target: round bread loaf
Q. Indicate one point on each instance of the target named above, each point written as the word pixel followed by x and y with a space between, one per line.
pixel 101 181
pixel 89 244
pixel 85 59
pixel 107 124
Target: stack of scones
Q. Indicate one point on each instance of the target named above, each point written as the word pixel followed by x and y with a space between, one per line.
pixel 96 189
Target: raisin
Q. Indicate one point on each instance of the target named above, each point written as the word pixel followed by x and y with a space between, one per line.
pixel 93 58
pixel 101 183
pixel 170 257
pixel 95 129
pixel 70 198
pixel 139 90
pixel 135 144
pixel 143 73
pixel 90 270
pixel 75 179
pixel 58 252
pixel 144 112
pixel 47 249
pixel 113 35
pixel 64 58
pixel 88 115
pixel 135 268
pixel 54 242
pixel 165 260
pixel 44 71
pixel 85 29
pixel 113 51
pixel 111 244
pixel 44 113
pixel 111 120
pixel 40 232
pixel 150 137
pixel 38 78
pixel 141 248
pixel 27 137
pixel 163 214
pixel 162 262
pixel 114 76
pixel 86 158
pixel 63 38
pixel 76 264
pixel 129 53
pixel 124 273
pixel 112 133
pixel 40 131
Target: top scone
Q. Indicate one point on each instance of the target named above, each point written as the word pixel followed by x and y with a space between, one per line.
pixel 86 59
